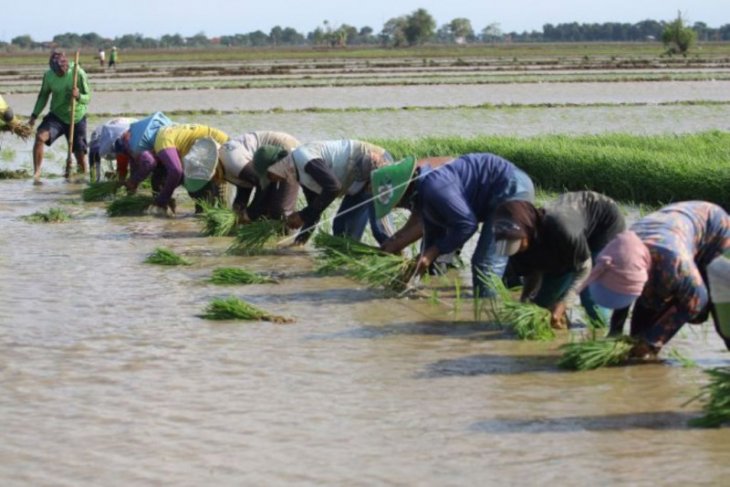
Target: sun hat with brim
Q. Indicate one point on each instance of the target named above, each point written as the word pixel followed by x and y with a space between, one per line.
pixel 265 157
pixel 607 298
pixel 389 184
pixel 199 164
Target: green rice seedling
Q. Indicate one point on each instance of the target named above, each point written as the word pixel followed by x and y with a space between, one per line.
pixel 234 275
pixel 252 237
pixel 22 130
pixel 592 354
pixel 529 321
pixel 163 256
pixel 129 205
pixel 54 215
pixel 218 221
pixel 100 191
pixel 683 360
pixel 715 398
pixel 237 309
pixel 7 155
pixel 363 262
pixel 16 174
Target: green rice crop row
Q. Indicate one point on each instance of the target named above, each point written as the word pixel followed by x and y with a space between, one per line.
pixel 644 169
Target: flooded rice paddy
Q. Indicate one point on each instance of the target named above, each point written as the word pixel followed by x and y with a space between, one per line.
pixel 109 376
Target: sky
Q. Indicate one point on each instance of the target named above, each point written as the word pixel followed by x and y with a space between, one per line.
pixel 154 18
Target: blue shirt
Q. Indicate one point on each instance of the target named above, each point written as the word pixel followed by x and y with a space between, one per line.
pixel 457 196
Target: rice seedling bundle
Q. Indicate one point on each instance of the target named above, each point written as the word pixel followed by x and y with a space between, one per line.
pixel 594 353
pixel 252 237
pixel 54 215
pixel 363 262
pixel 715 397
pixel 163 256
pixel 133 204
pixel 218 221
pixel 529 321
pixel 237 309
pixel 234 275
pixel 22 130
pixel 100 191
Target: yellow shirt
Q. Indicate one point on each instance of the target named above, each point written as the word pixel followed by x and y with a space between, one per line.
pixel 3 107
pixel 183 136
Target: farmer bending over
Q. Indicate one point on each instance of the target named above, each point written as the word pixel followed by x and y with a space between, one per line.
pixel 662 263
pixel 453 200
pixel 326 170
pixel 554 248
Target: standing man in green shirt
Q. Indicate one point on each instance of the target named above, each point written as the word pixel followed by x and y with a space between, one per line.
pixel 58 84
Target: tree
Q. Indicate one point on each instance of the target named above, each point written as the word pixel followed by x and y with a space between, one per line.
pixel 24 41
pixel 461 29
pixel 492 32
pixel 393 32
pixel 420 26
pixel 677 37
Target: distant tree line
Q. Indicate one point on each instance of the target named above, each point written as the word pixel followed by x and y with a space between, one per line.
pixel 416 28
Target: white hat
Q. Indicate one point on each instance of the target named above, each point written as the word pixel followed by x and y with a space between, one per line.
pixel 234 156
pixel 199 164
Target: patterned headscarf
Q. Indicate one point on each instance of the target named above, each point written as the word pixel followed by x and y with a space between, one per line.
pixel 58 62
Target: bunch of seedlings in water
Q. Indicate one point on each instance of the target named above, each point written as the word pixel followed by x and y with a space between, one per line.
pixel 14 174
pixel 253 237
pixel 129 205
pixel 595 353
pixel 363 263
pixel 682 359
pixel 715 398
pixel 218 221
pixel 163 256
pixel 100 191
pixel 529 321
pixel 54 215
pixel 22 130
pixel 237 309
pixel 234 275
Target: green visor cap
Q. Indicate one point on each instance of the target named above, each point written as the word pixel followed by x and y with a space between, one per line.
pixel 265 157
pixel 389 184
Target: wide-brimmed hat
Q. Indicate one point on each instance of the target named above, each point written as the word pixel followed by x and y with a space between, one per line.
pixel 389 184
pixel 265 157
pixel 199 164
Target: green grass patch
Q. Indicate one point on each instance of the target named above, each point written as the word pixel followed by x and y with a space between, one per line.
pixel 237 309
pixel 54 215
pixel 163 256
pixel 235 275
pixel 655 170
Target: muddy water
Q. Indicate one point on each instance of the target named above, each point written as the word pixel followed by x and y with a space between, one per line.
pixel 401 96
pixel 110 378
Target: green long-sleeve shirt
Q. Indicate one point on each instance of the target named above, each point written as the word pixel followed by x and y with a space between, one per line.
pixel 59 89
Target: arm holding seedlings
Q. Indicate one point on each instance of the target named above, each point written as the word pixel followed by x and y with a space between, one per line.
pixel 411 232
pixel 316 203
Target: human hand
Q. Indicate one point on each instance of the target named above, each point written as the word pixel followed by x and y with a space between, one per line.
pixel 75 93
pixel 31 121
pixel 424 261
pixel 391 246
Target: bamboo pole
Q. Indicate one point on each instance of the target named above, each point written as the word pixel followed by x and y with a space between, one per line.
pixel 69 158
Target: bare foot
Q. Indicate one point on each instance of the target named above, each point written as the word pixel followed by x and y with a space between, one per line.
pixel 37 181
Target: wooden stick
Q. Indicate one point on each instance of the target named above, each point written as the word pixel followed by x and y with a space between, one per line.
pixel 69 159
